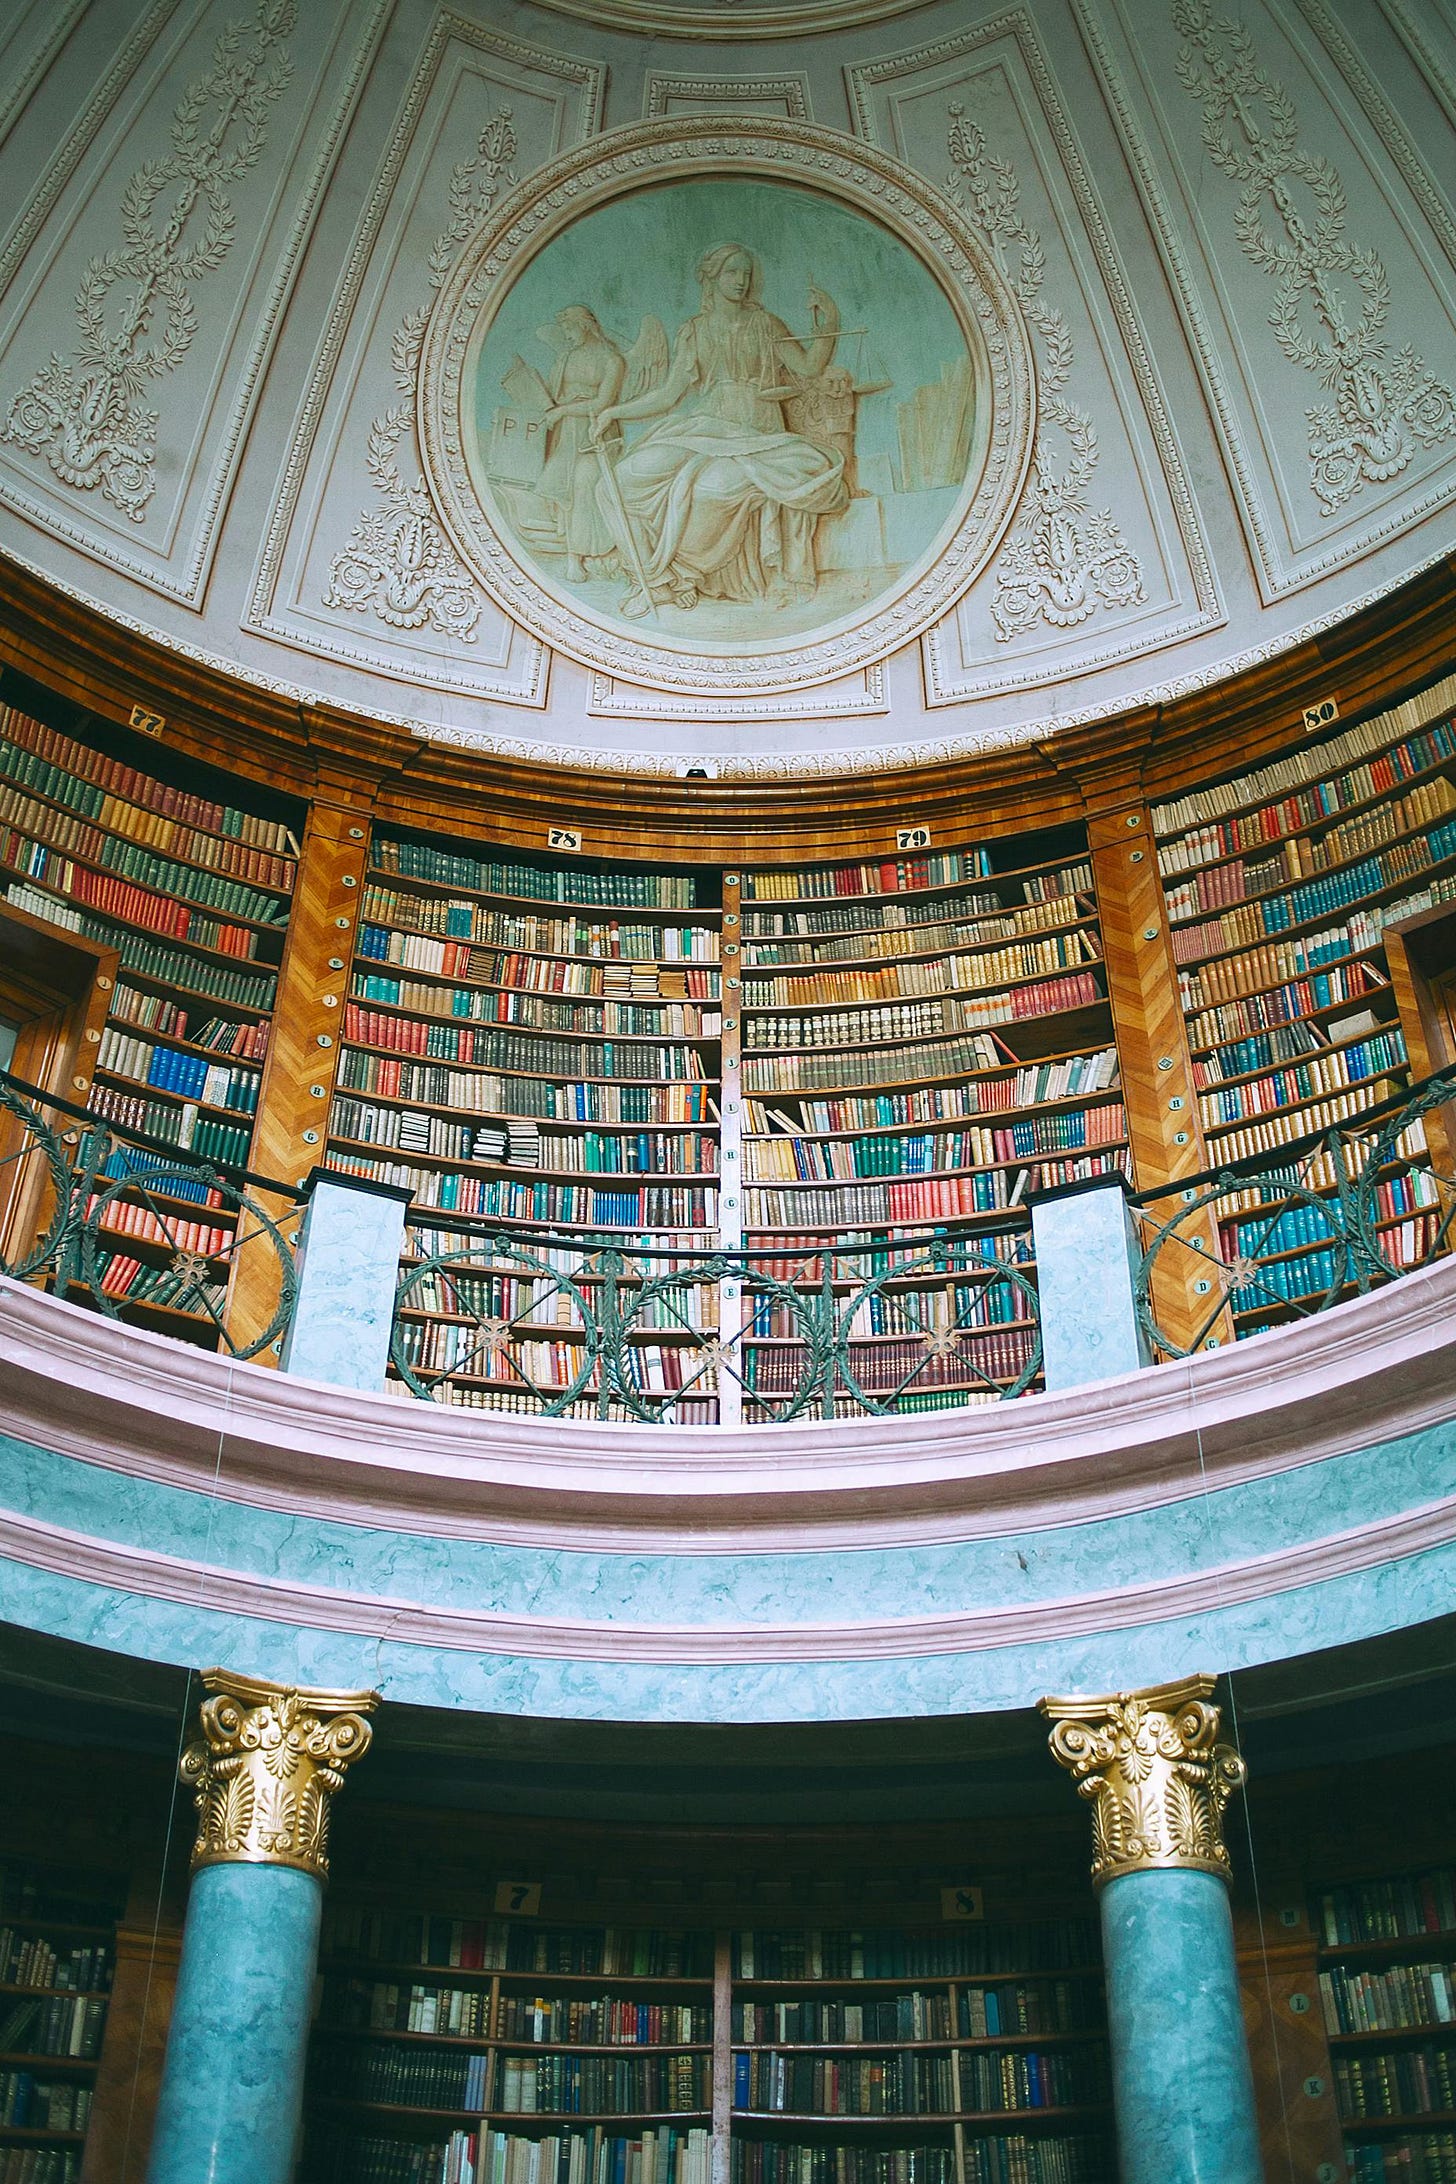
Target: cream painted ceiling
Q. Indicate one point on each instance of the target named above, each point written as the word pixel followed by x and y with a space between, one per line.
pixel 1230 232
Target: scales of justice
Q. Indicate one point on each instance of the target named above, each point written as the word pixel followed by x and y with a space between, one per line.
pixel 718 466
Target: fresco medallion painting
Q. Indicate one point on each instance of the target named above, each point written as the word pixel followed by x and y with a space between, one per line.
pixel 723 406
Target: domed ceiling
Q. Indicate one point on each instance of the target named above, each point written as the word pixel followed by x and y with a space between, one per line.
pixel 776 386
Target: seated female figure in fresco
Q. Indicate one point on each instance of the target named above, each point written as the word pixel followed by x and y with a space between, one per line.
pixel 720 500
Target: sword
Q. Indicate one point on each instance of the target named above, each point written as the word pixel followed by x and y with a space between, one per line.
pixel 634 549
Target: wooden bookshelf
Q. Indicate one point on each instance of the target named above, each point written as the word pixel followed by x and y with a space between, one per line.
pixel 501 2058
pixel 533 1048
pixel 57 1957
pixel 184 881
pixel 1280 885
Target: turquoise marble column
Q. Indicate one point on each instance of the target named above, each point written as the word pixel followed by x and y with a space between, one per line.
pixel 263 1772
pixel 1157 1779
pixel 348 1269
pixel 1086 1270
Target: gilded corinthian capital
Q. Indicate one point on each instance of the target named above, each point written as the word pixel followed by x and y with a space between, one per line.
pixel 1150 1765
pixel 265 1767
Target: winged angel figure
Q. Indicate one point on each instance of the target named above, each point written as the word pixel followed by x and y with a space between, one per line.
pixel 717 499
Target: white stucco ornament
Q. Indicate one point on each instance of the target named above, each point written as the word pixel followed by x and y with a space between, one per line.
pixel 725 405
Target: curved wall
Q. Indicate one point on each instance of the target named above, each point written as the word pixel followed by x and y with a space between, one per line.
pixel 1253 1505
pixel 1236 445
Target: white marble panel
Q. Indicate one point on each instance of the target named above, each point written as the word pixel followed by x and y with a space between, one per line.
pixel 1106 558
pixel 354 564
pixel 1311 248
pixel 142 302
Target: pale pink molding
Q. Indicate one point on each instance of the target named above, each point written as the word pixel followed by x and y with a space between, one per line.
pixel 1376 1368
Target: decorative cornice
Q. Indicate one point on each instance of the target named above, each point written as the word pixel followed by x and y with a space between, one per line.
pixel 268 1761
pixel 1150 1765
pixel 1370 1370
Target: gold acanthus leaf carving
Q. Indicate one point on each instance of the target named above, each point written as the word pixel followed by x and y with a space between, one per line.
pixel 265 1767
pixel 1151 1767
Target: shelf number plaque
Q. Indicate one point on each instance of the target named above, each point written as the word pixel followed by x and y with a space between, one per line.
pixel 563 838
pixel 150 723
pixel 912 837
pixel 1320 716
pixel 962 1903
pixel 521 1897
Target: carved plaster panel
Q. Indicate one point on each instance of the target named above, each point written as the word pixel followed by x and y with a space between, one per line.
pixel 354 563
pixel 851 696
pixel 140 314
pixel 28 44
pixel 1313 263
pixel 1106 556
pixel 786 96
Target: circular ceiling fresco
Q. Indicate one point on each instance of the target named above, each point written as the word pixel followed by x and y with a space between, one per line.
pixel 725 405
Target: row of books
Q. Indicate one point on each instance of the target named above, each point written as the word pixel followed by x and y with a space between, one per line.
pixel 891 876
pixel 30 1960
pixel 914 2016
pixel 180 1290
pixel 126 900
pixel 971 921
pixel 1288 1086
pixel 926 975
pixel 813 1952
pixel 1390 2000
pixel 149 958
pixel 408 2077
pixel 144 1226
pixel 1300 857
pixel 1315 1273
pixel 929 1198
pixel 1405 2081
pixel 538 1302
pixel 1284 1004
pixel 185 1127
pixel 346 2159
pixel 434 1084
pixel 785 1159
pixel 425 1239
pixel 541 974
pixel 385 2005
pixel 510 1049
pixel 520 1403
pixel 215 879
pixel 1429 2158
pixel 653 1206
pixel 28 2103
pixel 603 2085
pixel 621 886
pixel 666 2156
pixel 883 1368
pixel 1037 2161
pixel 219 1034
pixel 1038 1084
pixel 954 1309
pixel 920 1019
pixel 1319 898
pixel 40 2164
pixel 500 1945
pixel 1298 1122
pixel 633 1104
pixel 550 1367
pixel 1059 887
pixel 56 2024
pixel 772 2161
pixel 1229 977
pixel 607 939
pixel 854 1256
pixel 1389 1910
pixel 1285 1043
pixel 76 762
pixel 174 1069
pixel 847 1071
pixel 606 2021
pixel 907 2084
pixel 590 1152
pixel 1400 743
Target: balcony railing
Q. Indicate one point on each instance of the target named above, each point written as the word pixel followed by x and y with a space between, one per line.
pixel 572 1326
